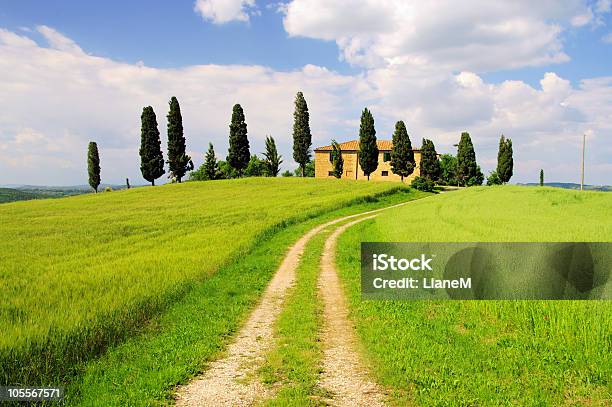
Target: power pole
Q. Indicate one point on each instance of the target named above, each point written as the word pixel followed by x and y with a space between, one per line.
pixel 582 168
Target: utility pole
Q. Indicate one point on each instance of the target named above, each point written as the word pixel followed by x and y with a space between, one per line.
pixel 582 168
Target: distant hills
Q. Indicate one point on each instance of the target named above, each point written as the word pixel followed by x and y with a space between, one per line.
pixel 17 192
pixel 571 185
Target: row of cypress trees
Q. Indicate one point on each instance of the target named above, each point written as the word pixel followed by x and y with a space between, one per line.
pixel 151 156
pixel 467 171
pixel 239 159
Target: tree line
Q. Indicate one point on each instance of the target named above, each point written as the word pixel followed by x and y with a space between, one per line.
pixel 447 169
pixel 460 170
pixel 239 161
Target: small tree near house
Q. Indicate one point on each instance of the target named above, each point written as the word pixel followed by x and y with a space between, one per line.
pixel 337 160
pixel 467 168
pixel 273 160
pixel 430 166
pixel 211 167
pixel 402 156
pixel 302 139
pixel 448 169
pixel 368 149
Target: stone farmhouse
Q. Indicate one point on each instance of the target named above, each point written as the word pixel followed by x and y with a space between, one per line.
pixel 352 170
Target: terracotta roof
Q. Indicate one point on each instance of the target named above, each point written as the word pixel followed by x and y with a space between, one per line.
pixel 353 145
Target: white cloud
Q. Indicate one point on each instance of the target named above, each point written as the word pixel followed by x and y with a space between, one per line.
pixel 476 35
pixel 607 38
pixel 59 41
pixel 224 11
pixel 57 98
pixel 603 6
pixel 582 19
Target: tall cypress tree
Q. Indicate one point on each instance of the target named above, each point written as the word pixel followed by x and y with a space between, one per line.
pixel 430 166
pixel 272 158
pixel 541 178
pixel 238 155
pixel 337 160
pixel 178 162
pixel 302 139
pixel 211 167
pixel 505 162
pixel 151 157
pixel 93 165
pixel 467 168
pixel 368 150
pixel 402 156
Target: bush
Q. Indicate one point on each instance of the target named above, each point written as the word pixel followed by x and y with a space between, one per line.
pixel 309 171
pixel 287 173
pixel 256 167
pixel 493 179
pixel 448 170
pixel 422 184
pixel 477 179
pixel 108 189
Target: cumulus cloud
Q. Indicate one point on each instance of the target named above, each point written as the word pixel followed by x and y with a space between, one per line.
pixel 478 35
pixel 603 6
pixel 224 11
pixel 56 98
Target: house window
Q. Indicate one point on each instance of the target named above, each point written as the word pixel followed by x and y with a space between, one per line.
pixel 330 173
pixel 331 157
pixel 386 157
pixel 385 173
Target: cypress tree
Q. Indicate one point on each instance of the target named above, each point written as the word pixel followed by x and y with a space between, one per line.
pixel 466 160
pixel 337 160
pixel 93 165
pixel 541 178
pixel 368 150
pixel 273 159
pixel 178 162
pixel 505 162
pixel 402 156
pixel 151 157
pixel 211 167
pixel 238 155
pixel 430 166
pixel 302 139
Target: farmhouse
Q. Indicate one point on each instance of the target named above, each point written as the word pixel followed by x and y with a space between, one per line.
pixel 352 169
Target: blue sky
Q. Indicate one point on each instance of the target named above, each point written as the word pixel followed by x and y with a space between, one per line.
pixel 538 72
pixel 169 34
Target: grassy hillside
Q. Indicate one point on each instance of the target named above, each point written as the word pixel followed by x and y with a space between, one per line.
pixel 79 273
pixel 487 352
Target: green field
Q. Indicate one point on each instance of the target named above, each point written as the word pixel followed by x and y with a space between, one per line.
pixel 79 274
pixel 487 352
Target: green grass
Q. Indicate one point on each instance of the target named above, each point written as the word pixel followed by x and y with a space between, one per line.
pixel 293 364
pixel 180 342
pixel 79 274
pixel 487 352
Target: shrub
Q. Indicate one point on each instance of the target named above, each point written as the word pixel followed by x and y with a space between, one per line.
pixel 493 179
pixel 422 184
